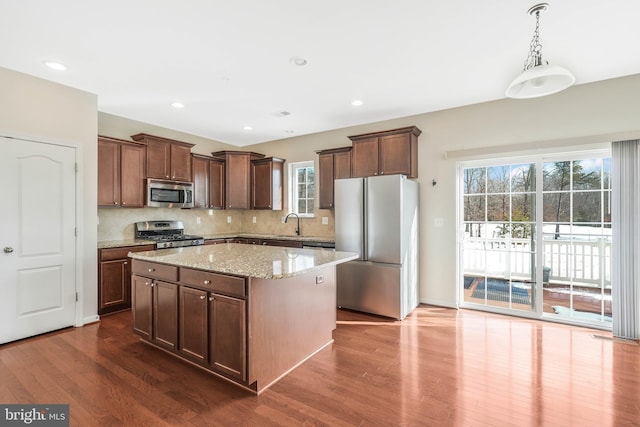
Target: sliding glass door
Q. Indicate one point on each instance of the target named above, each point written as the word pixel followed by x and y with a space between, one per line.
pixel 536 237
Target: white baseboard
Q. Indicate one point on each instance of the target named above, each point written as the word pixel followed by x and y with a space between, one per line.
pixel 90 319
pixel 439 303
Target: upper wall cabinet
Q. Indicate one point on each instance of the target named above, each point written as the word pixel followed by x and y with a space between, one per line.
pixel 333 164
pixel 121 166
pixel 385 153
pixel 266 183
pixel 237 191
pixel 208 182
pixel 166 158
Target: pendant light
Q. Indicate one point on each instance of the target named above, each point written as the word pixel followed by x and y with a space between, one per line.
pixel 538 77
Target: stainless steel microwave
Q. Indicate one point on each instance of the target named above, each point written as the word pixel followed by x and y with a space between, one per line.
pixel 163 194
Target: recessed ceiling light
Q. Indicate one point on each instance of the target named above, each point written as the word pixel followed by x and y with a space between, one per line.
pixel 55 65
pixel 357 103
pixel 284 113
pixel 298 61
pixel 177 104
pixel 247 128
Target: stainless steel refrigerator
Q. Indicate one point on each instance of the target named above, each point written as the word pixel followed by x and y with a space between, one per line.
pixel 377 217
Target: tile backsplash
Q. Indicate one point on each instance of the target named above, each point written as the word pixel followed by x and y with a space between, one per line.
pixel 118 223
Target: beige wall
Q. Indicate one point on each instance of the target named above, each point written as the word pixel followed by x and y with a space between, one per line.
pixel 40 110
pixel 594 113
pixel 586 114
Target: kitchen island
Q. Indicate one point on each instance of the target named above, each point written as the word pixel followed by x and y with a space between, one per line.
pixel 248 314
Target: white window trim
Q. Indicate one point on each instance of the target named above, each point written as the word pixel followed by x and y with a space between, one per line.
pixel 292 198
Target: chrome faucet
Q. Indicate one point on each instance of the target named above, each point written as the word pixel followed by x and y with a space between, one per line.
pixel 298 226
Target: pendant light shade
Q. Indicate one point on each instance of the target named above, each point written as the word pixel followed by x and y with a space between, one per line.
pixel 540 81
pixel 538 77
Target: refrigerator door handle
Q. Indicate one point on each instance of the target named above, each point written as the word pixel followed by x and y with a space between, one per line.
pixel 365 222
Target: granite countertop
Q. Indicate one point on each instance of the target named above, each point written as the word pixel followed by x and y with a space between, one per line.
pixel 263 262
pixel 104 244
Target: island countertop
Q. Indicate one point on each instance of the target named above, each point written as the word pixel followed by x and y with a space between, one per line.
pixel 263 262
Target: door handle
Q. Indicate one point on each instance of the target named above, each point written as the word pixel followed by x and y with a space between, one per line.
pixel 8 250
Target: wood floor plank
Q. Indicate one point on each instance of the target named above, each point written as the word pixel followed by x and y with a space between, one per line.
pixel 437 367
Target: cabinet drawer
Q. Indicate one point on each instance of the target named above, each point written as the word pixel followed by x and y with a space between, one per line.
pixel 154 270
pixel 214 282
pixel 111 254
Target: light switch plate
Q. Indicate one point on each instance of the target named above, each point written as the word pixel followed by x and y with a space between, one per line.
pixel 254 220
pixel 229 219
pixel 325 220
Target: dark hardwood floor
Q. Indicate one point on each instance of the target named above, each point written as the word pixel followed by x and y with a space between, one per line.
pixel 438 367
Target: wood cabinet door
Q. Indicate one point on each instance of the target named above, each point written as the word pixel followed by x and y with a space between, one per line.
pixel 194 323
pixel 108 173
pixel 180 163
pixel 132 159
pixel 395 154
pixel 114 289
pixel 261 191
pixel 200 174
pixel 325 165
pixel 142 306
pixel 158 159
pixel 228 336
pixel 165 314
pixel 342 165
pixel 237 181
pixel 216 184
pixel 364 157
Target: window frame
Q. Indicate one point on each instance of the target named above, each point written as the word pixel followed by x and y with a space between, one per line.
pixel 293 187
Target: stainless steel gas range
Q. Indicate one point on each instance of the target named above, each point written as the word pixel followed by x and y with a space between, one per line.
pixel 166 234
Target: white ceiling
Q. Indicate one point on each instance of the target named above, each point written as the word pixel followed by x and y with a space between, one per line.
pixel 229 61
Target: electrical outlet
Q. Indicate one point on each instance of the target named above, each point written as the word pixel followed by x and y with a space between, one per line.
pixel 229 219
pixel 254 220
pixel 198 221
pixel 325 220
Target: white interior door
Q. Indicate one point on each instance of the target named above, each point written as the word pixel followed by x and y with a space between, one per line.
pixel 37 238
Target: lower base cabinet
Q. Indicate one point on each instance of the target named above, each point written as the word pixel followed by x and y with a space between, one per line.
pixel 193 324
pixel 114 278
pixel 142 306
pixel 200 325
pixel 228 335
pixel 165 314
pixel 155 311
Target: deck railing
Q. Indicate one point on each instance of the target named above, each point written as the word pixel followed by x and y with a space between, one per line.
pixel 584 262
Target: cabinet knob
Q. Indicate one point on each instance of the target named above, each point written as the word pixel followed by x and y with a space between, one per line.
pixel 166 176
pixel 152 270
pixel 125 263
pixel 202 297
pixel 147 283
pixel 8 249
pixel 381 173
pixel 375 173
pixel 115 203
pixel 206 282
pixel 211 298
pixel 264 243
pixel 124 203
